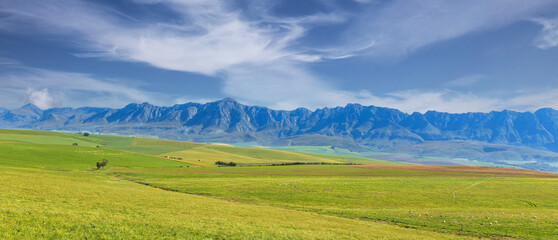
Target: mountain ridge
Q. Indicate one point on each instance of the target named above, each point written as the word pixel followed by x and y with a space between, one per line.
pixel 230 121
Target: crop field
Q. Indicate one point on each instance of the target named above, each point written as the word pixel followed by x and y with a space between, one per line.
pixel 51 189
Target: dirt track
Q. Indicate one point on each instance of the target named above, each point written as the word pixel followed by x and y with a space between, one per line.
pixel 463 169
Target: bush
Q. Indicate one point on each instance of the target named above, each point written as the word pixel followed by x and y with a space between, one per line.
pixel 102 164
pixel 86 134
pixel 224 164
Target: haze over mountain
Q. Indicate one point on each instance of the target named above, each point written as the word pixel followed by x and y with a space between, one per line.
pixel 355 127
pixel 229 121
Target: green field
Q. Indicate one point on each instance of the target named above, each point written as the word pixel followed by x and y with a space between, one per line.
pixel 50 189
pixel 336 151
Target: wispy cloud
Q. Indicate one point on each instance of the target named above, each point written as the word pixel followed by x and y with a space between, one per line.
pixel 261 57
pixel 207 37
pixel 459 102
pixel 8 62
pixel 279 89
pixel 548 37
pixel 402 27
pixel 46 89
pixel 270 86
pixel 465 80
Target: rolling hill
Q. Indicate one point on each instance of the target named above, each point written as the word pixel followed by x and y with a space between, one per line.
pixel 51 189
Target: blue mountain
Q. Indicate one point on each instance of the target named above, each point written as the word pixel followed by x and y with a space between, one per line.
pixel 356 127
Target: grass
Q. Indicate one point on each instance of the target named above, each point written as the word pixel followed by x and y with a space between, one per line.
pixel 41 137
pixel 50 190
pixel 68 157
pixel 464 202
pixel 79 205
pixel 208 155
pixel 328 151
pixel 41 201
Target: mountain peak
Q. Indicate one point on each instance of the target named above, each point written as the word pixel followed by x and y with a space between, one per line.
pixel 353 105
pixel 30 107
pixel 228 100
pixel 138 105
pixel 545 110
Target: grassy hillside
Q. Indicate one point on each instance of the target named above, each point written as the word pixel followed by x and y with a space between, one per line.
pixel 50 189
pixel 89 205
pixel 208 154
pixel 74 157
pixel 480 204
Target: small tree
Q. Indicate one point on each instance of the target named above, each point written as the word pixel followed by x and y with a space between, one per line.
pixel 86 134
pixel 102 164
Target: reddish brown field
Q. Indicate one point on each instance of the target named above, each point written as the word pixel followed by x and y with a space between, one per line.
pixel 463 169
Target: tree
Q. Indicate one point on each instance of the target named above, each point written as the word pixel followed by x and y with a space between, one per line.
pixel 86 134
pixel 221 164
pixel 102 164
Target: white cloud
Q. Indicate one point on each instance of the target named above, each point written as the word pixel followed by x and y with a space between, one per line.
pixel 279 89
pixel 530 101
pixel 266 87
pixel 458 102
pixel 276 88
pixel 46 88
pixel 260 58
pixel 403 26
pixel 281 86
pixel 443 101
pixel 548 37
pixel 41 98
pixel 208 37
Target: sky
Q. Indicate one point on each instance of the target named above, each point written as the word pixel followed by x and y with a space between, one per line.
pixel 413 55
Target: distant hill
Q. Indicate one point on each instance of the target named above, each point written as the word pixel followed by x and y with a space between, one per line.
pixel 354 127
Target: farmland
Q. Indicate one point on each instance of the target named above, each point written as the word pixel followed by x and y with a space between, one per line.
pixel 166 189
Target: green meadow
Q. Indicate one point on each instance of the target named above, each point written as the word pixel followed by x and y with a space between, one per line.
pixel 158 189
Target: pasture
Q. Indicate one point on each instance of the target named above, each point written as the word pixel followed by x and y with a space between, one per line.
pixel 475 204
pixel 51 189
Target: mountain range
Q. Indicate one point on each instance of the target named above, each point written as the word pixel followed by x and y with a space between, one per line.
pixel 354 127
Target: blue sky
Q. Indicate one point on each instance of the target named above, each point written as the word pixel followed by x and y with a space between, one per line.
pixel 453 56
